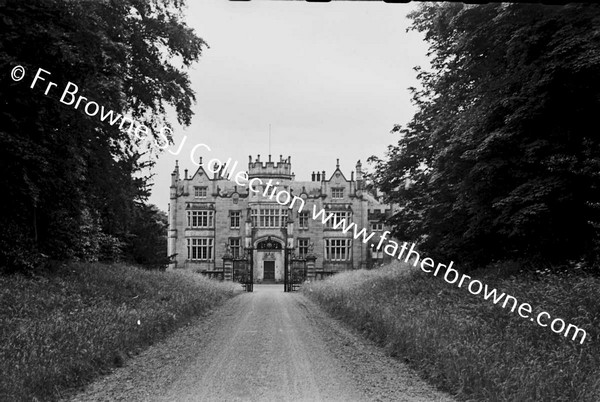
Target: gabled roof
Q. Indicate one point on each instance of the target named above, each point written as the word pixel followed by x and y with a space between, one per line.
pixel 201 169
pixel 337 169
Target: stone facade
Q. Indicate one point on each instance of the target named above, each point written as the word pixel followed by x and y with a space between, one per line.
pixel 213 212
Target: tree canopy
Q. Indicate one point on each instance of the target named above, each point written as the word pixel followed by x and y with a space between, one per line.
pixel 502 155
pixel 71 181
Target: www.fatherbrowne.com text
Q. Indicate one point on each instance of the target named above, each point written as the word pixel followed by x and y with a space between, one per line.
pixel 452 276
pixel 70 97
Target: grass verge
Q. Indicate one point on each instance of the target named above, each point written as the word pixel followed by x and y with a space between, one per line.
pixel 467 345
pixel 61 330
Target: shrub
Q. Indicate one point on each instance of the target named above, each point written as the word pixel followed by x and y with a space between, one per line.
pixel 111 248
pixel 18 251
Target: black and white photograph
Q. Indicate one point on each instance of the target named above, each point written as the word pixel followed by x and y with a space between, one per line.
pixel 289 200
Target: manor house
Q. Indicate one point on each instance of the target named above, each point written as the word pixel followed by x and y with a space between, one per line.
pixel 211 215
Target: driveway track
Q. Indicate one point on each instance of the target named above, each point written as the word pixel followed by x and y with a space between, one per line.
pixel 263 346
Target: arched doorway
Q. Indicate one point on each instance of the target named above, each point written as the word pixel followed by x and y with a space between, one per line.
pixel 269 260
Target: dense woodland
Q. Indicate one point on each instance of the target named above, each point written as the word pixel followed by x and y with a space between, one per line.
pixel 503 154
pixel 75 187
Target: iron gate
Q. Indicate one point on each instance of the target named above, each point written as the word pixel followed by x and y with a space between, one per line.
pixel 243 270
pixel 294 272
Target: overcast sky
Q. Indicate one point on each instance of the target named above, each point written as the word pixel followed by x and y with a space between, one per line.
pixel 332 79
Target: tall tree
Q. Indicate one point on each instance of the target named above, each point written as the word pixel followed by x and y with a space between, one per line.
pixel 502 153
pixel 62 169
pixel 147 245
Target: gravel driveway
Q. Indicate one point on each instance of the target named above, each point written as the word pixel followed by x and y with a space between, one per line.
pixel 263 346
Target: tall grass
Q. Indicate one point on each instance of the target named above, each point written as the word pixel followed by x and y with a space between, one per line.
pixel 61 330
pixel 467 345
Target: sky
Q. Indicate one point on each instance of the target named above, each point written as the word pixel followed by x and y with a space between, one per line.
pixel 331 80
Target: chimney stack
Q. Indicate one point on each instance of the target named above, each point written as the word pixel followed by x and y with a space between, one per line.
pixel 359 175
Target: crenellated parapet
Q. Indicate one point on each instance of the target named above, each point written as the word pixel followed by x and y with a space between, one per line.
pixel 269 169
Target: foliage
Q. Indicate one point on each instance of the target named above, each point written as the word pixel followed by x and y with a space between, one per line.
pixel 147 244
pixel 70 179
pixel 59 331
pixel 500 155
pixel 16 249
pixel 465 344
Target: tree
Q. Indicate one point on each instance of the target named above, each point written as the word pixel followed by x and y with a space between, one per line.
pixel 502 155
pixel 147 245
pixel 62 169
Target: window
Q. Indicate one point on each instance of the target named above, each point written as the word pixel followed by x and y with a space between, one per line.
pixel 377 227
pixel 200 192
pixel 337 249
pixel 303 247
pixel 269 217
pixel 200 249
pixel 254 217
pixel 235 244
pixel 376 254
pixel 200 219
pixel 337 217
pixel 234 217
pixel 284 218
pixel 303 220
pixel 337 193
